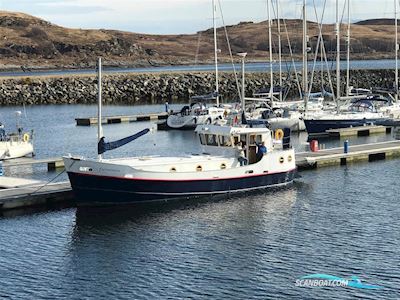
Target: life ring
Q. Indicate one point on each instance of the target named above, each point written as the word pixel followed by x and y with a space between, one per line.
pixel 279 134
pixel 25 137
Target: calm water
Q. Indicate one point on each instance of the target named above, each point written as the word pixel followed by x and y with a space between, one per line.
pixel 341 221
pixel 250 67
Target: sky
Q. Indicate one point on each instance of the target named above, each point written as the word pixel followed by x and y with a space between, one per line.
pixel 179 16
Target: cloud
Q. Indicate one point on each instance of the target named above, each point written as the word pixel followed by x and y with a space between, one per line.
pixel 178 16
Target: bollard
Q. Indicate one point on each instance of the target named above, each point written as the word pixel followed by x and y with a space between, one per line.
pixel 346 146
pixel 1 168
pixel 314 146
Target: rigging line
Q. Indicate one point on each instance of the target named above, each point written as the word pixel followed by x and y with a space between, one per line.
pixel 319 22
pixel 47 183
pixel 292 58
pixel 320 26
pixel 196 59
pixel 229 48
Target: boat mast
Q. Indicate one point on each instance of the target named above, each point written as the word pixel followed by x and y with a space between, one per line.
pixel 243 57
pixel 396 83
pixel 271 91
pixel 99 127
pixel 337 56
pixel 348 49
pixel 279 49
pixel 215 51
pixel 305 57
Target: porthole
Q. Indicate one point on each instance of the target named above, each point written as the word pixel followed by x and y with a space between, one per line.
pixel 199 168
pixel 281 160
pixel 290 158
pixel 223 166
pixel 173 169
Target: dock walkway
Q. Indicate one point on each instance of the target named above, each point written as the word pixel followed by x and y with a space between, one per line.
pixel 121 119
pixel 336 156
pixel 34 195
pixel 359 131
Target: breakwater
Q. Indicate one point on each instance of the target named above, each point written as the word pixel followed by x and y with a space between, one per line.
pixel 158 88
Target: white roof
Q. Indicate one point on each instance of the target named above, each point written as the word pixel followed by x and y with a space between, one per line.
pixel 229 130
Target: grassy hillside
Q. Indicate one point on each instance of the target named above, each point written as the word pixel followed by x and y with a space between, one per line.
pixel 29 41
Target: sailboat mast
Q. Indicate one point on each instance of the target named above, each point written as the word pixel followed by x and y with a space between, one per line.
pixel 215 51
pixel 271 91
pixel 396 83
pixel 99 126
pixel 305 57
pixel 337 55
pixel 279 49
pixel 348 49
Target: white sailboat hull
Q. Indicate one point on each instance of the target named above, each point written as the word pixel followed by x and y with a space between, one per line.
pixel 15 149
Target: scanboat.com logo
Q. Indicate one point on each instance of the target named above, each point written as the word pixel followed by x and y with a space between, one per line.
pixel 324 280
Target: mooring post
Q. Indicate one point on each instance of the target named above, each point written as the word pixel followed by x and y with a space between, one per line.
pixel 346 146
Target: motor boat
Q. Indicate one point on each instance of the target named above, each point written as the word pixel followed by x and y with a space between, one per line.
pixel 216 169
pixel 196 113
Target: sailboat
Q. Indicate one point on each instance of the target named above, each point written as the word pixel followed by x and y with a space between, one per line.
pixel 199 111
pixel 268 105
pixel 360 112
pixel 217 169
pixel 15 145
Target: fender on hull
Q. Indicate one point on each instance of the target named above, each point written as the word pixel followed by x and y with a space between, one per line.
pixel 98 190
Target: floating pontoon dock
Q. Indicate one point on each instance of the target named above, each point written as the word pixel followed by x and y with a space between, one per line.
pixel 121 119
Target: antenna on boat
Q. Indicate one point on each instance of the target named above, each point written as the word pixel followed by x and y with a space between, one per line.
pixel 243 56
pixel 215 51
pixel 99 127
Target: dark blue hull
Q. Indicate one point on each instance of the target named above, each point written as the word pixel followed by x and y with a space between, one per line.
pixel 99 190
pixel 321 126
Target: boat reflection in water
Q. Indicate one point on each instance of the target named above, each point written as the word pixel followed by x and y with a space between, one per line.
pixel 271 206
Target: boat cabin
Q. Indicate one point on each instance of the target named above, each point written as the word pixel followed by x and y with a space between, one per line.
pixel 225 140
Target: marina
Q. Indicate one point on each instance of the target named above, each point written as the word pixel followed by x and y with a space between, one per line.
pixel 270 174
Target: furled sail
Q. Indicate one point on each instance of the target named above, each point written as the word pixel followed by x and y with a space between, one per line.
pixel 102 146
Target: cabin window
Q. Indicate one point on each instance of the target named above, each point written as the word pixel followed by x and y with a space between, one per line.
pixel 281 160
pixel 290 158
pixel 223 166
pixel 225 141
pixel 202 139
pixel 173 169
pixel 211 140
pixel 199 168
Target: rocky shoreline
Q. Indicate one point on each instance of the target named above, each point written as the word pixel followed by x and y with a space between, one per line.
pixel 157 88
